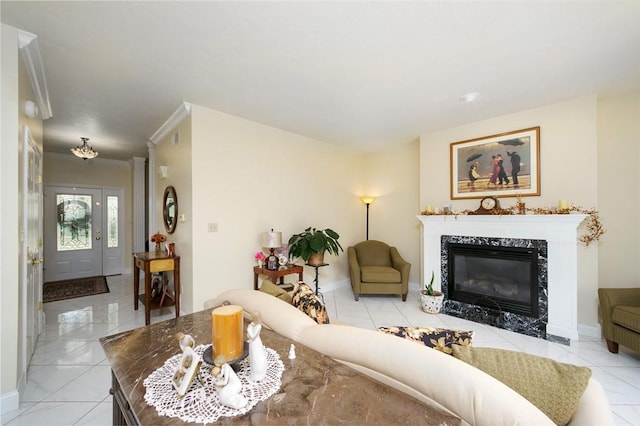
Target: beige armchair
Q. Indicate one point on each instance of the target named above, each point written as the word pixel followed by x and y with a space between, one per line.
pixel 620 311
pixel 377 268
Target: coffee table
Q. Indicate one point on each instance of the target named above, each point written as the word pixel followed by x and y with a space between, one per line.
pixel 315 388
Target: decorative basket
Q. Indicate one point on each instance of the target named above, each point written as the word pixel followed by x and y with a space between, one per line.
pixel 316 259
pixel 432 304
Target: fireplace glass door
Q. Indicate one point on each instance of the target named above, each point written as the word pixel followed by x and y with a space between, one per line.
pixel 502 278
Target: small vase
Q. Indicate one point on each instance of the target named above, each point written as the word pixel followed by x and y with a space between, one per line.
pixel 259 263
pixel 432 304
pixel 158 248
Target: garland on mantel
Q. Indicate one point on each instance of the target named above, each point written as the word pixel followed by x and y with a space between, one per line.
pixel 594 226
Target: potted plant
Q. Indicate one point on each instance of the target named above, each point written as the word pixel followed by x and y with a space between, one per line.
pixel 312 243
pixel 430 299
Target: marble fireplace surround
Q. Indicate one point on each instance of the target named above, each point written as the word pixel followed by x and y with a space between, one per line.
pixel 559 231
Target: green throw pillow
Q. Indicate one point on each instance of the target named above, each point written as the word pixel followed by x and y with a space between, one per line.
pixel 555 388
pixel 440 339
pixel 275 290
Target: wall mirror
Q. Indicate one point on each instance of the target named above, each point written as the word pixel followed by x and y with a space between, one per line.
pixel 170 209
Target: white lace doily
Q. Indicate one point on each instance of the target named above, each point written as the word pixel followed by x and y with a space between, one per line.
pixel 201 404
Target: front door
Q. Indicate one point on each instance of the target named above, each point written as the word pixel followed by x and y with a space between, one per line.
pixel 73 230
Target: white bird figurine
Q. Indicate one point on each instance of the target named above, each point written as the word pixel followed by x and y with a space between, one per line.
pixel 292 352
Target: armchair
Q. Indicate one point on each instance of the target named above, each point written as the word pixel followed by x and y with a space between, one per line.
pixel 620 311
pixel 377 268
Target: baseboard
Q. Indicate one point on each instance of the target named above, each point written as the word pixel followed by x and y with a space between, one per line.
pixel 334 285
pixel 9 401
pixel 591 331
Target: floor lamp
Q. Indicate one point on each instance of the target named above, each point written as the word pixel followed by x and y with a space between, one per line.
pixel 367 201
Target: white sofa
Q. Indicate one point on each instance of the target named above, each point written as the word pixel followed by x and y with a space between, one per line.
pixel 431 376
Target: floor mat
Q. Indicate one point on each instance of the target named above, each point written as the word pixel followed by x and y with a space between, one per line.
pixel 70 289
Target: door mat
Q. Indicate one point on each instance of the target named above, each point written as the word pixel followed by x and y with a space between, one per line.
pixel 70 289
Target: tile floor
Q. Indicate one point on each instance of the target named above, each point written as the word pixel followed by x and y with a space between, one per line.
pixel 68 380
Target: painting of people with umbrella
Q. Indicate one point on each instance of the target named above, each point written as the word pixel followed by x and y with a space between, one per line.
pixel 504 165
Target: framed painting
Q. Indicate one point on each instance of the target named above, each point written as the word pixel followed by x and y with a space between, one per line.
pixel 504 165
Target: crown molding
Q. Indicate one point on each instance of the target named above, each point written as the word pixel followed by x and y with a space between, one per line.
pixel 28 44
pixel 180 114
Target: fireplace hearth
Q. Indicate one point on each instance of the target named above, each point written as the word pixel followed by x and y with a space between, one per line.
pixel 496 281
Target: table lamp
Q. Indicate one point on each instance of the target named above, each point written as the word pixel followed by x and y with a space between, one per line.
pixel 272 240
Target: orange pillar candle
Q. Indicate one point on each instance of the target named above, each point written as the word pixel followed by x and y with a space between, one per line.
pixel 227 332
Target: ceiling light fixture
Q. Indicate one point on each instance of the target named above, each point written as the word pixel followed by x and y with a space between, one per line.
pixel 470 97
pixel 84 151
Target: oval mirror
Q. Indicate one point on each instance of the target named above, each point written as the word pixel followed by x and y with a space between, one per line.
pixel 170 209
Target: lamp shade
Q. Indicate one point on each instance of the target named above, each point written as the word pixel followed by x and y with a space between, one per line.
pixel 368 200
pixel 272 239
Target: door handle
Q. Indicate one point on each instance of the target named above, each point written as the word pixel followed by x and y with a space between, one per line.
pixel 36 260
pixel 98 235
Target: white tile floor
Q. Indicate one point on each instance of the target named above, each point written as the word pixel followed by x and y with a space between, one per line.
pixel 68 381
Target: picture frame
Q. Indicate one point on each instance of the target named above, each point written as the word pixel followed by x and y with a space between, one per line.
pixel 186 371
pixel 502 165
pixel 282 251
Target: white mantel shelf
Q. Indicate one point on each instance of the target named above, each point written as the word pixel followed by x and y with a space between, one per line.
pixel 559 230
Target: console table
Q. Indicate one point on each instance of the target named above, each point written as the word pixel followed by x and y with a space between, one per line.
pixel 315 388
pixel 151 262
pixel 279 273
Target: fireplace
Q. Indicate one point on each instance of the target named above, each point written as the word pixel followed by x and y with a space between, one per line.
pixel 557 266
pixel 498 277
pixel 496 281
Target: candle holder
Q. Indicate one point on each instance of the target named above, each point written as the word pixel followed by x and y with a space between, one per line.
pixel 207 356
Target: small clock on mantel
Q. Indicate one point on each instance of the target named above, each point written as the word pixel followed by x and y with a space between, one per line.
pixel 488 205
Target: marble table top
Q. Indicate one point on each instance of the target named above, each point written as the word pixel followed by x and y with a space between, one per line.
pixel 315 388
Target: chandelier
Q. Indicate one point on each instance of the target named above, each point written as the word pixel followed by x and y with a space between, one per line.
pixel 84 151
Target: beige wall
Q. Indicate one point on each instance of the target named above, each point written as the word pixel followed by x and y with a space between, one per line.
pixel 178 158
pixel 61 169
pixel 249 178
pixel 619 190
pixel 9 220
pixel 393 177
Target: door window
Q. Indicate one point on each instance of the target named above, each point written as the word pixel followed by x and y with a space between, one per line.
pixel 74 222
pixel 112 221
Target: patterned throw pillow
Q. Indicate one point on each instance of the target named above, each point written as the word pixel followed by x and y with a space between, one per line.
pixel 555 388
pixel 439 339
pixel 305 300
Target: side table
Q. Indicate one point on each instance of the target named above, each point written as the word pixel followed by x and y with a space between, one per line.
pixel 279 273
pixel 315 281
pixel 151 262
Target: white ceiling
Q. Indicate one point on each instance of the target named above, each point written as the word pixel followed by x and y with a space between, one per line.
pixel 365 74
